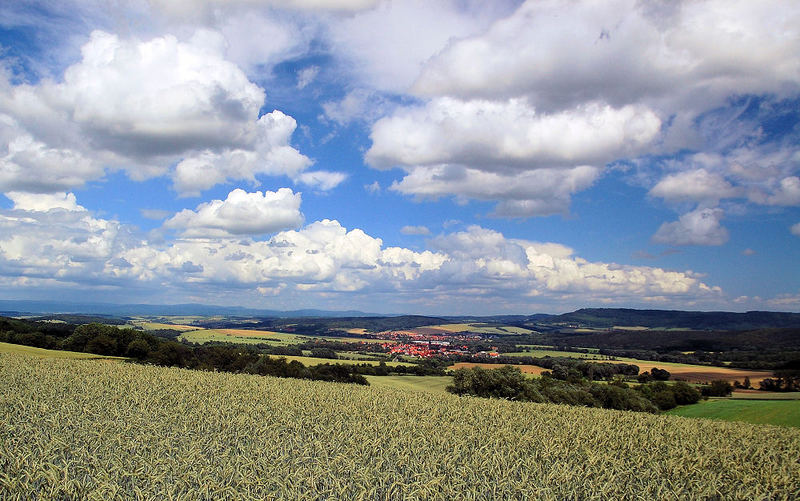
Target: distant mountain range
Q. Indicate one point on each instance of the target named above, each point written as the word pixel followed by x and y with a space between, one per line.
pixel 603 318
pixel 22 307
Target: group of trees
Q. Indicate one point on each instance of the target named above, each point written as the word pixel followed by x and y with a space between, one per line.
pixel 141 346
pixel 655 374
pixel 279 367
pixel 563 368
pixel 786 378
pixel 509 383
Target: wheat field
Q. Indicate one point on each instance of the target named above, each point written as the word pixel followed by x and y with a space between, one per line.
pixel 75 429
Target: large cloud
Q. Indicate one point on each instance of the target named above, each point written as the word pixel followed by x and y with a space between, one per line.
pixel 50 240
pixel 270 155
pixel 508 135
pixel 241 213
pixel 324 257
pixel 144 106
pixel 388 45
pixel 539 192
pixel 560 54
pixel 563 84
pixel 506 151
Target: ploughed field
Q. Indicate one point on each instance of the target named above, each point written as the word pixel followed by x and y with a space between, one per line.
pixel 99 429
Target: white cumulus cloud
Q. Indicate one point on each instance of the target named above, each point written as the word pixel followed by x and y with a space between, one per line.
pixel 241 213
pixel 560 54
pixel 538 192
pixel 44 202
pixel 508 135
pixel 143 106
pixel 697 185
pixel 42 244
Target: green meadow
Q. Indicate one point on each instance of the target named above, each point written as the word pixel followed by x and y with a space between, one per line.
pixel 776 412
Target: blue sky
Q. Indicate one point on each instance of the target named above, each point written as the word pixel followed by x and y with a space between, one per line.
pixel 452 157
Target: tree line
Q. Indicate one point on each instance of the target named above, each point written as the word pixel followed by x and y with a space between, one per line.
pixel 510 383
pixel 560 367
pixel 143 347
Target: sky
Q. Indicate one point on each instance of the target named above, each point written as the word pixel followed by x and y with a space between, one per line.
pixel 451 157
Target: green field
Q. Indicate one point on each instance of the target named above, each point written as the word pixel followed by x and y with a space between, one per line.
pixel 536 352
pixel 776 412
pixel 429 384
pixel 7 348
pixel 84 429
pixel 210 335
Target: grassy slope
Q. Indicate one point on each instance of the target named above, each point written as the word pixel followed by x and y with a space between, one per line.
pixel 428 384
pixel 777 412
pixel 170 433
pixel 7 348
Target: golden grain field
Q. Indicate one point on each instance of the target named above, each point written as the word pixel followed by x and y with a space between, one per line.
pixel 74 429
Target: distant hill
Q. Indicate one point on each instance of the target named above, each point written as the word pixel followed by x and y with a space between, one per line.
pixel 672 319
pixel 602 318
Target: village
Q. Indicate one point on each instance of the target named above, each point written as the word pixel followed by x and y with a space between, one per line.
pixel 430 345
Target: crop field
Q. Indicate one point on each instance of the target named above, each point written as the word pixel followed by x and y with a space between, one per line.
pixel 783 412
pixel 698 373
pixel 481 328
pixel 77 429
pixel 7 348
pixel 256 337
pixel 766 395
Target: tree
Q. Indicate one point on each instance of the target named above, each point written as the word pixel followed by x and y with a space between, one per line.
pixel 102 345
pixel 718 388
pixel 685 394
pixel 664 400
pixel 660 374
